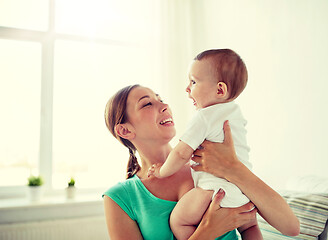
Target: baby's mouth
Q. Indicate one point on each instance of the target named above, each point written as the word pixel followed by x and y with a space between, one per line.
pixel 193 101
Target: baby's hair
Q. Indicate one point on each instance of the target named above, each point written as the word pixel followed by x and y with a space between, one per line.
pixel 115 113
pixel 228 68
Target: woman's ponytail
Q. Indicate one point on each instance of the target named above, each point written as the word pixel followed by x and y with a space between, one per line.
pixel 133 165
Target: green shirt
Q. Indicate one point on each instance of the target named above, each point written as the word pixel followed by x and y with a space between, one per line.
pixel 151 213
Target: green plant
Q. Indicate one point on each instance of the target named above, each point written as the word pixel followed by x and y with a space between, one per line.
pixel 35 181
pixel 71 183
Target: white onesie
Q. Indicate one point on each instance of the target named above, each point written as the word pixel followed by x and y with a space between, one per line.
pixel 207 124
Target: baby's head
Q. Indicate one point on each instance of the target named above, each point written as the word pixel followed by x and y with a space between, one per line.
pixel 216 76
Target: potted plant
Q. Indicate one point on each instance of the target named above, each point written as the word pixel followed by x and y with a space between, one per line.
pixel 71 190
pixel 35 188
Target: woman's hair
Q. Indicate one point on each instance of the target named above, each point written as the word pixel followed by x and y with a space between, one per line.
pixel 228 67
pixel 115 113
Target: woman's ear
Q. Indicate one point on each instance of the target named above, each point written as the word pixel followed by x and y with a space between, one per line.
pixel 125 131
pixel 222 90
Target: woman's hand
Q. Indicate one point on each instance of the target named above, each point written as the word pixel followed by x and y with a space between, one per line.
pixel 218 221
pixel 219 159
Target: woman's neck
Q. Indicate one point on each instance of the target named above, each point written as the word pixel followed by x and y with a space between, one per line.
pixel 150 155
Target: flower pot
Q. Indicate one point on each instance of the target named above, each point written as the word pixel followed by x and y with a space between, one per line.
pixel 70 192
pixel 34 193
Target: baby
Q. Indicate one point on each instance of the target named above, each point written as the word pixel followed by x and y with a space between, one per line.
pixel 217 77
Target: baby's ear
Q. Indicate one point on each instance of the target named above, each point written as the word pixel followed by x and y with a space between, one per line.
pixel 222 90
pixel 125 130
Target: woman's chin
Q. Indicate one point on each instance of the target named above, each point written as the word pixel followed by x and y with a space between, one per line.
pixel 169 134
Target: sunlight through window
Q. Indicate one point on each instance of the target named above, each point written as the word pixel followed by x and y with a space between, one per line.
pixel 20 110
pixel 55 85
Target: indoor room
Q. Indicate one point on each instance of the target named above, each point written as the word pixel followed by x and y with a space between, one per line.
pixel 62 60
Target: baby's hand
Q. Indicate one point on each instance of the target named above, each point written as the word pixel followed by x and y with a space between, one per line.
pixel 154 170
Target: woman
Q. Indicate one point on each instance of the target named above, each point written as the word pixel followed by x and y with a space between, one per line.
pixel 139 208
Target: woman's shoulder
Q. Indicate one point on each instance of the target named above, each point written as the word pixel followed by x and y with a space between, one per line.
pixel 122 188
pixel 122 194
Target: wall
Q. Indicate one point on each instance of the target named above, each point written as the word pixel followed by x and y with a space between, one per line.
pixel 284 45
pixel 54 217
pixel 175 56
pixel 64 229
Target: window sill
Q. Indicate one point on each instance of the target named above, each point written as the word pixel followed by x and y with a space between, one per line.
pixel 49 208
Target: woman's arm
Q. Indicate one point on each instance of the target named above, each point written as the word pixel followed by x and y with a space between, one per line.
pixel 120 226
pixel 220 159
pixel 218 221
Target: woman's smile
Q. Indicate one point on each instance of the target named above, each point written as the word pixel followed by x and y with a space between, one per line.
pixel 168 121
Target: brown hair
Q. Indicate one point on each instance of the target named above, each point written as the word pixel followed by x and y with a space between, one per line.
pixel 228 67
pixel 115 113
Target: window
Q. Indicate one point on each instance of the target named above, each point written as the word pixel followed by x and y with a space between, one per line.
pixel 20 110
pixel 87 75
pixel 61 61
pixel 21 14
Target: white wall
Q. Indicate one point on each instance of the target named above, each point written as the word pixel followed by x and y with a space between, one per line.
pixel 175 57
pixel 87 228
pixel 285 47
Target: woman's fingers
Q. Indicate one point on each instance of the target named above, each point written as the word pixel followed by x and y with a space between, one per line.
pixel 199 152
pixel 247 213
pixel 198 167
pixel 196 163
pixel 216 158
pixel 247 207
pixel 247 217
pixel 215 204
pixel 223 220
pixel 218 198
pixel 197 160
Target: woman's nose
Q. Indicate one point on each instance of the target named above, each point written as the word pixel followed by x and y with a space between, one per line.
pixel 188 89
pixel 164 107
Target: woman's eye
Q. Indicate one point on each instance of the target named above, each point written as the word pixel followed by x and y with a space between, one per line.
pixel 147 104
pixel 193 82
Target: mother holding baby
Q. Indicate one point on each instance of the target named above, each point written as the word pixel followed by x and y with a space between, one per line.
pixel 140 207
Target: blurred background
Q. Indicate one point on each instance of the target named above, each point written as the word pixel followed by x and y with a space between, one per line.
pixel 61 60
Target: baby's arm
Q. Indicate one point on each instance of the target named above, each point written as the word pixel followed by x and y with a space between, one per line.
pixel 178 157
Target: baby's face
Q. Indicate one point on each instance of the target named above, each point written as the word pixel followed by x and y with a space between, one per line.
pixel 202 87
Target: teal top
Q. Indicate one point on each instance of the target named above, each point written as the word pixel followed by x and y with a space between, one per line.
pixel 151 213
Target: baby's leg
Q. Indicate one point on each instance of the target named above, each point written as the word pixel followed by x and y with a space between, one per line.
pixel 189 211
pixel 250 231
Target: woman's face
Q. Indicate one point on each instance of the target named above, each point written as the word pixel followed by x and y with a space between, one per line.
pixel 149 116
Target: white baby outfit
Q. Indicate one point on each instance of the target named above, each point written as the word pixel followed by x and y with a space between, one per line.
pixel 207 124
